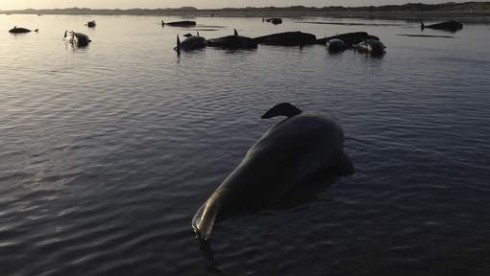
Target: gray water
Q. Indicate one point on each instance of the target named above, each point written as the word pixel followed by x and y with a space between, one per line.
pixel 106 152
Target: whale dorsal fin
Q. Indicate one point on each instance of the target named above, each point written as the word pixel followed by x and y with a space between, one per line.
pixel 282 109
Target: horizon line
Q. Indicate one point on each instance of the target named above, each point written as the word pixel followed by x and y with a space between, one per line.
pixel 191 8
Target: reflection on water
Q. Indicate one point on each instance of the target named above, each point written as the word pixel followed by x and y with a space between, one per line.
pixel 108 151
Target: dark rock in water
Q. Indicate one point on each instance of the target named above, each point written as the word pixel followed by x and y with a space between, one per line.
pixel 450 26
pixel 16 30
pixel 287 39
pixel 233 42
pixel 185 23
pixel 349 39
pixel 274 20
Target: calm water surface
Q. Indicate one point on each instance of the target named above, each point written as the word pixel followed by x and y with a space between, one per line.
pixel 106 152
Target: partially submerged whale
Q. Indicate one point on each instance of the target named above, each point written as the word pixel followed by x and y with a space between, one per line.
pixel 350 39
pixel 371 46
pixel 185 23
pixel 285 156
pixel 19 30
pixel 287 39
pixel 232 42
pixel 77 39
pixel 91 24
pixel 450 26
pixel 335 45
pixel 191 43
pixel 274 20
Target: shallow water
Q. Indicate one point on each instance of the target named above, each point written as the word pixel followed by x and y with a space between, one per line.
pixel 106 152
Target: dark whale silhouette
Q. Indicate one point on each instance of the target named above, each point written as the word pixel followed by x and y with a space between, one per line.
pixel 450 26
pixel 77 39
pixel 190 43
pixel 287 39
pixel 335 45
pixel 232 42
pixel 91 24
pixel 284 157
pixel 349 39
pixel 185 23
pixel 19 30
pixel 274 20
pixel 371 46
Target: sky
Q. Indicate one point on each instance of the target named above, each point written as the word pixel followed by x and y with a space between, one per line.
pixel 203 4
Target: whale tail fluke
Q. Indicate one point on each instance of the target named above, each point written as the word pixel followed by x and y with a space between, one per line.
pixel 204 219
pixel 282 109
pixel 422 26
pixel 163 23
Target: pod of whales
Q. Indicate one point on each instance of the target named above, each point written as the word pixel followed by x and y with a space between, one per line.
pixel 284 157
pixel 234 41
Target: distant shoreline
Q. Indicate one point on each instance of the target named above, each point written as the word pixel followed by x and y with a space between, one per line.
pixel 468 12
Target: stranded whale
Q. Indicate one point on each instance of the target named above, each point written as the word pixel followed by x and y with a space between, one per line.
pixel 191 43
pixel 19 30
pixel 77 39
pixel 286 155
pixel 233 42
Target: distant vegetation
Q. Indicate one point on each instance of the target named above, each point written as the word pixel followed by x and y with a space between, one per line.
pixel 467 7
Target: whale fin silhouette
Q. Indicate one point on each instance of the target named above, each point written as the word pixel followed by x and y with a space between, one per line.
pixel 282 109
pixel 204 219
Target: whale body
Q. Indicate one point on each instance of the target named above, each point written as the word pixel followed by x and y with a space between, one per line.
pixel 91 24
pixel 287 39
pixel 350 39
pixel 371 46
pixel 289 152
pixel 19 30
pixel 191 43
pixel 335 45
pixel 233 42
pixel 450 26
pixel 185 23
pixel 77 39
